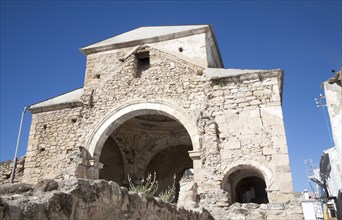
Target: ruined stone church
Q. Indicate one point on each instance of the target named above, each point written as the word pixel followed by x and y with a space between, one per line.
pixel 159 100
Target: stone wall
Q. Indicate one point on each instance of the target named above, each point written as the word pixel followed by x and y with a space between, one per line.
pixel 217 205
pixel 52 150
pixel 85 199
pixel 6 168
pixel 219 208
pixel 263 211
pixel 245 131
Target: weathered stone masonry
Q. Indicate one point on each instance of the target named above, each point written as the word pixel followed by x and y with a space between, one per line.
pixel 157 91
pixel 6 168
pixel 85 199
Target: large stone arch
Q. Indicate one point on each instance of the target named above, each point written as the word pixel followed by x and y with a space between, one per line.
pixel 121 114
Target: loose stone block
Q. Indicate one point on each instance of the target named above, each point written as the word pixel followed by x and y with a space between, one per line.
pixel 232 143
pixel 275 206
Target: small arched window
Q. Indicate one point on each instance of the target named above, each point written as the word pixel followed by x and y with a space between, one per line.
pixel 246 185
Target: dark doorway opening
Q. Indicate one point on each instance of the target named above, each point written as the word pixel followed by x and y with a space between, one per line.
pixel 251 189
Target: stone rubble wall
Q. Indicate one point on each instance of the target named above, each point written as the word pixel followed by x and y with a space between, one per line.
pixel 6 168
pixel 272 211
pixel 52 150
pixel 220 209
pixel 85 199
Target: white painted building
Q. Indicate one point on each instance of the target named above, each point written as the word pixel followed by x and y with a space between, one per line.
pixel 331 159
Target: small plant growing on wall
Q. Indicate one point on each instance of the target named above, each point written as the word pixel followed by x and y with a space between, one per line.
pixel 221 82
pixel 169 194
pixel 148 186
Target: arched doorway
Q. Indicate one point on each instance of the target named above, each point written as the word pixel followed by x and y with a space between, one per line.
pixel 246 185
pixel 145 144
pixel 137 137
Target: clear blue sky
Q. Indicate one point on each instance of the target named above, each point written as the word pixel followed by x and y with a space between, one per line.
pixel 40 55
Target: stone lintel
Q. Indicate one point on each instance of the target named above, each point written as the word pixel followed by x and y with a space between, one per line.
pixel 275 206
